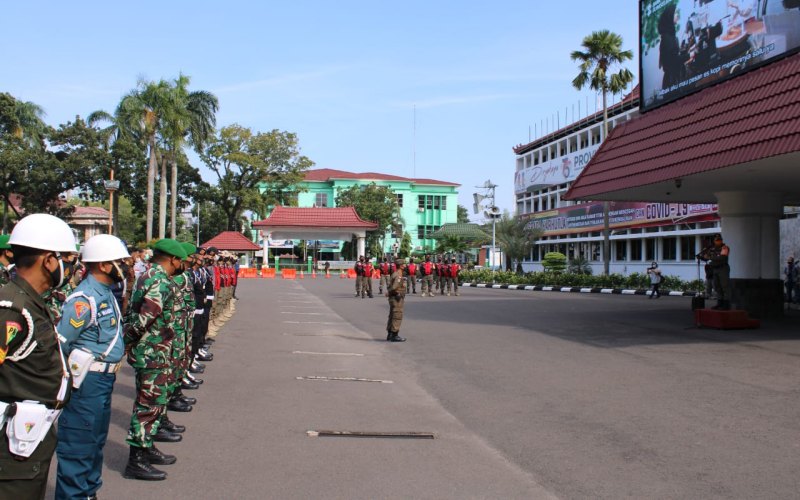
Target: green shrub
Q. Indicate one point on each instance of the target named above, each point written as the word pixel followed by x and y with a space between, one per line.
pixel 635 281
pixel 554 262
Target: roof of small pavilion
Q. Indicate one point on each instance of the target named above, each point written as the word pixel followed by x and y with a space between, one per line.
pixel 233 241
pixel 314 223
pixel 741 134
pixel 465 230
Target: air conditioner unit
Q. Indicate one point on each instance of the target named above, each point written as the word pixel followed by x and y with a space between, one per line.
pixel 420 210
pixel 418 247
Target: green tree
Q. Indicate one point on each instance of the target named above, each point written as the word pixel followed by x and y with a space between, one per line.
pixel 515 240
pixel 554 262
pixel 602 53
pixel 463 214
pixel 376 204
pixel 405 246
pixel 451 244
pixel 254 171
pixel 579 265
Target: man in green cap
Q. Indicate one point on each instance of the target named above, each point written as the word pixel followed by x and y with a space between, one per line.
pixel 6 260
pixel 396 291
pixel 149 333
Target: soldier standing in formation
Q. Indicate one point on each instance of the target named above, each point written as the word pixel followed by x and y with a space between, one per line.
pixel 366 287
pixel 34 379
pixel 149 333
pixel 411 276
pixel 396 292
pixel 6 260
pixel 426 270
pixel 91 323
pixel 386 269
pixel 441 275
pixel 455 269
pixel 359 269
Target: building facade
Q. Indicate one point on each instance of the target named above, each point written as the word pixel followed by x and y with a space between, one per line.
pixel 640 232
pixel 425 204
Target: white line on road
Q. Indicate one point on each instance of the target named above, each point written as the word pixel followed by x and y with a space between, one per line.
pixel 344 379
pixel 308 314
pixel 328 353
pixel 314 323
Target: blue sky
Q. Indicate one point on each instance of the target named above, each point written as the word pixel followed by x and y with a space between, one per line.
pixel 345 76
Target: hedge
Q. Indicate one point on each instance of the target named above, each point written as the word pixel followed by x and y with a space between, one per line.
pixel 633 281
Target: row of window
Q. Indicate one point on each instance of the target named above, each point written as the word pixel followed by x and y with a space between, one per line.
pixel 424 232
pixel 432 202
pixel 647 249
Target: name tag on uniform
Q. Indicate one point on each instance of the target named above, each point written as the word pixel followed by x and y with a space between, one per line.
pixel 105 313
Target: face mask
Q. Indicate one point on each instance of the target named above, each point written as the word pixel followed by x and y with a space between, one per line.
pixel 61 275
pixel 118 272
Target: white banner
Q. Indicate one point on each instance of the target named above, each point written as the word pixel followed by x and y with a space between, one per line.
pixel 557 171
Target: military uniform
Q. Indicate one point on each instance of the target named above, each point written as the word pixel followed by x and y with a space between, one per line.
pixel 5 274
pixel 722 272
pixel 41 376
pixel 396 293
pixel 426 270
pixel 93 325
pixel 182 320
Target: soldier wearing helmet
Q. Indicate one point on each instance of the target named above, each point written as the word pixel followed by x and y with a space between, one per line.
pixel 34 378
pixel 91 322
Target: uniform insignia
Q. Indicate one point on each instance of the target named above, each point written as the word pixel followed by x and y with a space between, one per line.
pixel 12 329
pixel 103 305
pixel 81 308
pixel 75 323
pixel 29 426
pixel 2 355
pixel 113 321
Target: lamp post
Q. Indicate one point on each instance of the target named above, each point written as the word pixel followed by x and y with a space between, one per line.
pixel 492 212
pixel 111 185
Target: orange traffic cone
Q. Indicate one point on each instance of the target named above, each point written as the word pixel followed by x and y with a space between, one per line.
pixel 327 275
pixel 302 277
pixel 313 274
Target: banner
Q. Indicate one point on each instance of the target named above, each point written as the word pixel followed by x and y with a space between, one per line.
pixel 588 217
pixel 687 45
pixel 557 171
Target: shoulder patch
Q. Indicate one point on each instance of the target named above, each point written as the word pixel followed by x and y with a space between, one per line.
pixel 81 308
pixel 77 324
pixel 12 329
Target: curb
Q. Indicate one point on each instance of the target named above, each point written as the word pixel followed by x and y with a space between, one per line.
pixel 576 289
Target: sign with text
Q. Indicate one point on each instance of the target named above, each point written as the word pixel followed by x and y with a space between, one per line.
pixel 687 45
pixel 557 171
pixel 588 217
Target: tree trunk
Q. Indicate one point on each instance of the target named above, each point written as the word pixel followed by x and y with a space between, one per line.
pixel 162 200
pixel 606 232
pixel 151 184
pixel 174 200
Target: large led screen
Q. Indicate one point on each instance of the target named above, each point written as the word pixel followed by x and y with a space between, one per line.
pixel 687 45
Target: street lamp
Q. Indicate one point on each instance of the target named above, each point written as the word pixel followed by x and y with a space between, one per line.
pixel 491 212
pixel 111 185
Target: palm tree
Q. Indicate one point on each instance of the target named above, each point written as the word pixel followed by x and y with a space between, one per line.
pixel 515 240
pixel 141 114
pixel 451 244
pixel 603 51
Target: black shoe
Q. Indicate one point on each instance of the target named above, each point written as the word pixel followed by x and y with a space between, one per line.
pixel 139 467
pixel 189 378
pixel 397 338
pixel 209 340
pixel 371 297
pixel 189 386
pixel 170 426
pixel 164 436
pixel 200 357
pixel 187 400
pixel 389 336
pixel 178 405
pixel 156 456
pixel 193 369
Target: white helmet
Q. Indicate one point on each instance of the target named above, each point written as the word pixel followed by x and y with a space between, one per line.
pixel 43 232
pixel 104 248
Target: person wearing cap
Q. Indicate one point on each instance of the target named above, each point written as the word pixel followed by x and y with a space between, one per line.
pixel 718 258
pixel 396 292
pixel 6 260
pixel 149 333
pixel 34 378
pixel 91 321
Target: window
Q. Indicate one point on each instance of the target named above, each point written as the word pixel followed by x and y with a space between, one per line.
pixel 650 249
pixel 688 250
pixel 424 232
pixel 436 202
pixel 321 200
pixel 669 248
pixel 399 199
pixel 444 202
pixel 621 250
pixel 421 201
pixel 636 250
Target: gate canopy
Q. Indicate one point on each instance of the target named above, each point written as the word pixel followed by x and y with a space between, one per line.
pixel 296 223
pixel 233 241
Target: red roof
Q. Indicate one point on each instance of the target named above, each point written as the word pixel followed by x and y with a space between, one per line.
pixel 629 101
pixel 233 241
pixel 748 118
pixel 315 217
pixel 328 174
pixel 79 211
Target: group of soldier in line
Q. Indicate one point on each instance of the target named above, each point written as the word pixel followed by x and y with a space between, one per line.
pixel 435 277
pixel 70 317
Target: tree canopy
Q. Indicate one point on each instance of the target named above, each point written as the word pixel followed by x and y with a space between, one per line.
pixel 376 204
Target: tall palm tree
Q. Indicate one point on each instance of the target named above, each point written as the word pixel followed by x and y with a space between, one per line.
pixel 602 52
pixel 141 114
pixel 515 240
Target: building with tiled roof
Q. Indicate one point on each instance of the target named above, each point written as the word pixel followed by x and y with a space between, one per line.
pixel 232 241
pixel 425 204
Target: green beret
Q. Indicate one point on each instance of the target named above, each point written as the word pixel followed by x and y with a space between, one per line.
pixel 4 242
pixel 171 247
pixel 189 249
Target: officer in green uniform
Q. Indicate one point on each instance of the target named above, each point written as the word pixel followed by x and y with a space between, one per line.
pixel 91 321
pixel 149 333
pixel 32 368
pixel 397 294
pixel 6 259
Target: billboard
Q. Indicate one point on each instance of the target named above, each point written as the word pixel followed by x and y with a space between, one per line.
pixel 687 45
pixel 588 217
pixel 557 171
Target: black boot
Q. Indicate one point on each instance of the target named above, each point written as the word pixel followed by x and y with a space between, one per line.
pixel 156 456
pixel 187 400
pixel 170 426
pixel 139 467
pixel 397 338
pixel 178 405
pixel 164 436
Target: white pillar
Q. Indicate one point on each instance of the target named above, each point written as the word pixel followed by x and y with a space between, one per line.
pixel 750 227
pixel 361 245
pixel 265 258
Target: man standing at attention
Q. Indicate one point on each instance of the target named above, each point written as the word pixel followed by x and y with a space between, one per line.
pixel 397 294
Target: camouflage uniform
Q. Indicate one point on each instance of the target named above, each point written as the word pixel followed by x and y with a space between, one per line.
pixel 5 275
pixel 181 324
pixel 397 293
pixel 149 334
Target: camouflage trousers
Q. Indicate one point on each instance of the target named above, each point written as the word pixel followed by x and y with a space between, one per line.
pixel 384 282
pixel 427 284
pixel 149 405
pixel 181 355
pixel 395 314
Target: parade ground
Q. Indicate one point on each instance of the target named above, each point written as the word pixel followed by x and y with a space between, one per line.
pixel 497 394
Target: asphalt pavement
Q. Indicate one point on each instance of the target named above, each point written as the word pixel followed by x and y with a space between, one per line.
pixel 526 395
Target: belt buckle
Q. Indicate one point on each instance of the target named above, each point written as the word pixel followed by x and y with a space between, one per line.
pixel 117 366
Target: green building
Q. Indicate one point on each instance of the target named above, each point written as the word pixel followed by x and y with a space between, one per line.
pixel 425 204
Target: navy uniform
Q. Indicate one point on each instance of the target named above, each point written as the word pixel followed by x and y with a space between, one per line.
pixel 90 321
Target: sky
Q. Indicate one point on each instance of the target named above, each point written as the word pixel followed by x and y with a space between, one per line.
pixel 427 89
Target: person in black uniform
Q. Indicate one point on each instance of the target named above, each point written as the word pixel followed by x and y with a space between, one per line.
pixel 32 367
